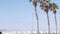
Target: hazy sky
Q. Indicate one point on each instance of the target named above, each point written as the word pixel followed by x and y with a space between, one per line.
pixel 17 14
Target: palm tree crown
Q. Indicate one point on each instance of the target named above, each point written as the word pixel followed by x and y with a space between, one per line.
pixel 34 2
pixel 45 5
pixel 53 7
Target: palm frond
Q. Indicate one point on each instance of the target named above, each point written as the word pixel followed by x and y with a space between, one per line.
pixel 40 1
pixel 55 6
pixel 47 0
pixel 30 0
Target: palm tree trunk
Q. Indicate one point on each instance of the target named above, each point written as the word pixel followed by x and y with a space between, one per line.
pixel 37 20
pixel 48 23
pixel 55 22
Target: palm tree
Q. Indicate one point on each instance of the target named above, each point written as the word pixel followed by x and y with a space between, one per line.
pixel 35 7
pixel 45 6
pixel 53 8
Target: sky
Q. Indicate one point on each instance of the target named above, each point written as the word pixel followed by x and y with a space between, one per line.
pixel 18 14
